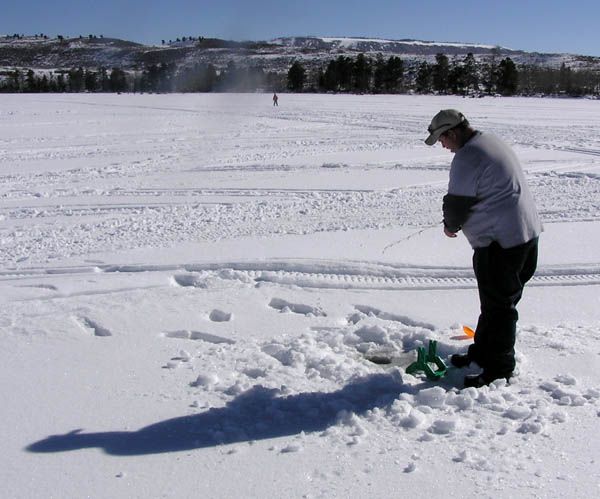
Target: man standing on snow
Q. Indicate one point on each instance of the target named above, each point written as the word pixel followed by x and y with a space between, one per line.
pixel 489 200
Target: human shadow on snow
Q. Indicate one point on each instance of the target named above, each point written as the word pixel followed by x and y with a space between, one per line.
pixel 256 414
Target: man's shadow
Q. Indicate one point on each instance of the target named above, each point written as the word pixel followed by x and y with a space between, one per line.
pixel 254 415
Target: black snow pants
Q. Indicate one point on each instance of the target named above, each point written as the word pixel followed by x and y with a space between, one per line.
pixel 501 275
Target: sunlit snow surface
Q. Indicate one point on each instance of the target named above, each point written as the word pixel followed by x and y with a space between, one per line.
pixel 191 286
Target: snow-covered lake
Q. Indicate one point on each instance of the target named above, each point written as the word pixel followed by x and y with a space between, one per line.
pixel 191 287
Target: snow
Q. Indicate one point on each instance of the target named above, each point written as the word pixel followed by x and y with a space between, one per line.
pixel 192 286
pixel 351 42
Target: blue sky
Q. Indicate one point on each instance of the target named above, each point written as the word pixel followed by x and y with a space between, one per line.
pixel 533 25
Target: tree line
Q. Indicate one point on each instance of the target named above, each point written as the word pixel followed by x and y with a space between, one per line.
pixel 156 78
pixel 459 76
pixel 73 80
pixel 361 74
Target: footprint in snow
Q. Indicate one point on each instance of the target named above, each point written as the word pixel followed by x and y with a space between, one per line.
pixel 94 326
pixel 368 311
pixel 210 338
pixel 296 308
pixel 198 336
pixel 220 316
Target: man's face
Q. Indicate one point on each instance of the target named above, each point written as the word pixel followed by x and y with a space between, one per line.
pixel 450 140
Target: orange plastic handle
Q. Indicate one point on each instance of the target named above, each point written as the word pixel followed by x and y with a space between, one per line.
pixel 468 331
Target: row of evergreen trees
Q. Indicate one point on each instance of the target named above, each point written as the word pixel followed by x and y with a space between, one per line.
pixel 361 74
pixel 161 78
pixel 74 80
pixel 464 76
pixel 345 74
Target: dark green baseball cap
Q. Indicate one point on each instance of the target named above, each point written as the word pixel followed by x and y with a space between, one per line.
pixel 443 121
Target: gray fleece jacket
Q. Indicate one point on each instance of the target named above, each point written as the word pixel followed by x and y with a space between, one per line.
pixel 488 197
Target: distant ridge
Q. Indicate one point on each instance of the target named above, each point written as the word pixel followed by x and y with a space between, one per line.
pixel 276 55
pixel 377 44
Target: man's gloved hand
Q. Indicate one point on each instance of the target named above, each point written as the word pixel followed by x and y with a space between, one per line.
pixel 449 233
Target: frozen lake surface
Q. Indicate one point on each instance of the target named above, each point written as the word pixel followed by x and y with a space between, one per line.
pixel 190 286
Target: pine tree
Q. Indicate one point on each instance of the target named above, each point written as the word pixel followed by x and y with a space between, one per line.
pixel 394 75
pixel 61 83
pixel 104 80
pixel 76 81
pixel 508 77
pixel 44 84
pixel 456 78
pixel 344 72
pixel 117 80
pixel 471 76
pixel 16 81
pixel 441 70
pixel 30 82
pixel 423 78
pixel 296 77
pixel 91 81
pixel 489 79
pixel 379 70
pixel 331 80
pixel 361 73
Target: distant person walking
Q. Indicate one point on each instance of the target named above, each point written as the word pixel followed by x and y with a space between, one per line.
pixel 275 100
pixel 488 199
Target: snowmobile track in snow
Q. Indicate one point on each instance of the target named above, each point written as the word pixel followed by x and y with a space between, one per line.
pixel 323 274
pixel 334 281
pixel 437 279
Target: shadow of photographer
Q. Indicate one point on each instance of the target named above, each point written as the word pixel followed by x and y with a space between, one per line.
pixel 256 414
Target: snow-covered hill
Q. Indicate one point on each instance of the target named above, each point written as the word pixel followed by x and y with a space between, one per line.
pixel 387 46
pixel 275 55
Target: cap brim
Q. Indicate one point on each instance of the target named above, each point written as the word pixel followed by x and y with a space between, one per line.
pixel 432 139
pixel 435 135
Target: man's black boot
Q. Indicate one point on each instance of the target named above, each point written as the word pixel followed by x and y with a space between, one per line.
pixel 460 360
pixel 483 379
